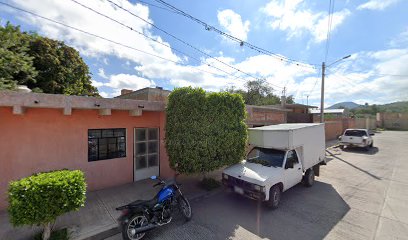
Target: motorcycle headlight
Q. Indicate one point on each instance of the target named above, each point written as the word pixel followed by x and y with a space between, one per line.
pixel 225 176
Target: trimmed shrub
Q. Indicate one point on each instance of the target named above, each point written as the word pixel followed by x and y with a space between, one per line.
pixel 41 198
pixel 204 131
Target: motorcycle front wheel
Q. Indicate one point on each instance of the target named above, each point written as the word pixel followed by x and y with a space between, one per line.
pixel 185 208
pixel 129 229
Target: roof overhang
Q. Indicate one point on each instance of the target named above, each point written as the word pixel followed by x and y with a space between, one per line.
pixel 20 100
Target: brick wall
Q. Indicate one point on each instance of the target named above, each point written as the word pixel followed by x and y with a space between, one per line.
pixel 295 117
pixel 264 116
pixel 333 129
pixel 397 121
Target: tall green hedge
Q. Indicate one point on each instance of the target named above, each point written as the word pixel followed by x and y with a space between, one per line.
pixel 41 198
pixel 204 131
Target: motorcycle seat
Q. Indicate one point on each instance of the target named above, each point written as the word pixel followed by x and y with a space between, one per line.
pixel 147 203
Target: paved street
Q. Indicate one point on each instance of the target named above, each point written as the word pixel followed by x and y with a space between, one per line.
pixel 360 195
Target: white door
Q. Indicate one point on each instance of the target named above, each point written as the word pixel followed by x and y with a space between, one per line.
pixel 292 175
pixel 146 153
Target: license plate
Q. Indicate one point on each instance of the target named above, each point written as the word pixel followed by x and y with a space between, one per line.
pixel 238 190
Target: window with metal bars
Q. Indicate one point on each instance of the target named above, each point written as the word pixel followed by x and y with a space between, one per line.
pixel 106 144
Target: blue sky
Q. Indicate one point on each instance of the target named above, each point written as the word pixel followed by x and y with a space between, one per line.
pixel 374 32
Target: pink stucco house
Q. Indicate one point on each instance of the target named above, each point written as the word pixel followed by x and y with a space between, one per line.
pixel 114 141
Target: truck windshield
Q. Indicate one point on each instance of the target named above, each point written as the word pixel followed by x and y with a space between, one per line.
pixel 266 157
pixel 355 133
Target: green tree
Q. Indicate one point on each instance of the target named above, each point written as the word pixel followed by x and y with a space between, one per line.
pixel 204 131
pixel 60 68
pixel 257 92
pixel 43 64
pixel 290 99
pixel 16 65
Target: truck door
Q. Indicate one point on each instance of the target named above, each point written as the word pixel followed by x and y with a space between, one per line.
pixel 293 170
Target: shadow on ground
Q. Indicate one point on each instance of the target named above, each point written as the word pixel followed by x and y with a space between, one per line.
pixel 335 156
pixel 304 213
pixel 371 151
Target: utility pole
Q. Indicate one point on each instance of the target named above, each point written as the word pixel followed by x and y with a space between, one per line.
pixel 322 95
pixel 283 98
pixel 322 91
pixel 307 103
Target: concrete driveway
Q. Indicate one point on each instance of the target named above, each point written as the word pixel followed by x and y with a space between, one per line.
pixel 360 195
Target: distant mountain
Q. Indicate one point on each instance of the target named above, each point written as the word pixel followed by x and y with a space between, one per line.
pixel 399 107
pixel 349 105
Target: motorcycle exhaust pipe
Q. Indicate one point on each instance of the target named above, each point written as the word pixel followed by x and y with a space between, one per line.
pixel 145 228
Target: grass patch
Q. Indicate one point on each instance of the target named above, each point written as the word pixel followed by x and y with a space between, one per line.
pixel 61 234
pixel 209 184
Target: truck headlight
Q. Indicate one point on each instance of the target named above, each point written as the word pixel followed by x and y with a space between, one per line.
pixel 258 188
pixel 225 176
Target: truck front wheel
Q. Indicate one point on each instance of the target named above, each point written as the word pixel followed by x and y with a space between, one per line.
pixel 309 178
pixel 274 197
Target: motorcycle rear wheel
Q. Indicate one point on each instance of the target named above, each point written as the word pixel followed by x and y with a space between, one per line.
pixel 129 229
pixel 185 208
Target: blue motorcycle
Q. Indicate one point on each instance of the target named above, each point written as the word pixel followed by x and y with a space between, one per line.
pixel 141 216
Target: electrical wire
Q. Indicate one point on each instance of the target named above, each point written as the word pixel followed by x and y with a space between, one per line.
pixel 103 38
pixel 148 37
pixel 314 85
pixel 153 5
pixel 176 38
pixel 241 42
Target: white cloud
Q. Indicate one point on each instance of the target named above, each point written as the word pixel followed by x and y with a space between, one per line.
pixel 101 73
pixel 319 30
pixel 385 82
pixel 275 71
pixel 401 40
pixel 377 4
pixel 292 16
pixel 104 94
pixel 76 16
pixel 233 23
pixel 133 82
pixel 96 83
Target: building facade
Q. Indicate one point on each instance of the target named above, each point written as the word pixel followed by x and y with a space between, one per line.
pixel 114 141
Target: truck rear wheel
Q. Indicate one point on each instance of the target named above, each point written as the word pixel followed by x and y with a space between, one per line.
pixel 309 178
pixel 274 197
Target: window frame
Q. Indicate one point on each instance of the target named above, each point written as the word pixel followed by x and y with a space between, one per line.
pixel 108 143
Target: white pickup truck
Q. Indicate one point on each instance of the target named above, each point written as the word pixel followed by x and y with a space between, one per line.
pixel 356 138
pixel 282 156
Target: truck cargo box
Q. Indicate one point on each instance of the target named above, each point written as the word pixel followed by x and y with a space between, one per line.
pixel 307 138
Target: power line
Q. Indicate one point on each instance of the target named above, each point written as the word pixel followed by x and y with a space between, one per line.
pixel 103 38
pixel 314 85
pixel 241 42
pixel 174 37
pixel 132 29
pixel 153 5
